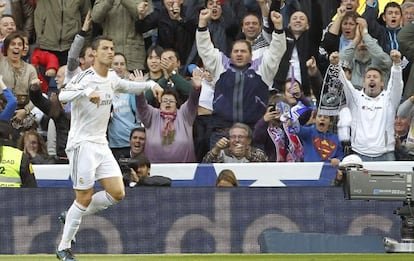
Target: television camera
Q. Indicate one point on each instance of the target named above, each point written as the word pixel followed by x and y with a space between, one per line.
pixel 385 185
pixel 126 164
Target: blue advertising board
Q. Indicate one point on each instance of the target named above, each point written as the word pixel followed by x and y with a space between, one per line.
pixel 188 219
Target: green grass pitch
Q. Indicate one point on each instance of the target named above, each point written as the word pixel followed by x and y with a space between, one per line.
pixel 220 257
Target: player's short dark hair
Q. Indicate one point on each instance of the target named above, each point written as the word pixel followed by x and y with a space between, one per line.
pixel 98 39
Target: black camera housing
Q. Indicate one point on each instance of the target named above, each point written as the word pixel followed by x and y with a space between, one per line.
pixel 126 164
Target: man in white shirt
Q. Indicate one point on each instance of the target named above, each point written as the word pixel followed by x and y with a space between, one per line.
pixel 373 111
pixel 91 93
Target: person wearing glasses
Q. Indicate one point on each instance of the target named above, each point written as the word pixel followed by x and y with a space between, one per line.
pixel 236 148
pixel 169 128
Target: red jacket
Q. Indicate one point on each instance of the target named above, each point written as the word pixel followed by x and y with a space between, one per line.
pixel 48 61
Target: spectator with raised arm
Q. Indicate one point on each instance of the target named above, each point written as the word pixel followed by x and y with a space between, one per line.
pixel 373 110
pixel 53 108
pixel 364 52
pixel 303 37
pixel 169 128
pixel 339 35
pixel 406 41
pixel 392 17
pixel 56 24
pixel 176 26
pixel 241 85
pixel 117 19
pixel 80 55
pixel 172 78
pixel 17 74
pixel 273 134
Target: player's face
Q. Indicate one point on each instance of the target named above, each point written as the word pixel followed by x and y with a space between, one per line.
pixel 251 27
pixel 392 17
pixel 105 53
pixel 322 123
pixel 137 142
pixel 373 83
pixel 240 55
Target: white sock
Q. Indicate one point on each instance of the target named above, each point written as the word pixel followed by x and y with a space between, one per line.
pixel 72 222
pixel 100 200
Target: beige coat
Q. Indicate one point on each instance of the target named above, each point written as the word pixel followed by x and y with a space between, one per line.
pixel 18 80
pixel 117 18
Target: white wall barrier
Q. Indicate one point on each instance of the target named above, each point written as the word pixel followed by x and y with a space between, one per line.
pixel 248 174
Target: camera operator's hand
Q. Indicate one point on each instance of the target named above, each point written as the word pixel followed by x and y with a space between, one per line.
pixel 134 176
pixel 335 162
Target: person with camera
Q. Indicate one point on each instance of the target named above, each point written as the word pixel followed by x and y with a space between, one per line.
pixel 272 132
pixel 138 174
pixel 350 161
pixel 236 148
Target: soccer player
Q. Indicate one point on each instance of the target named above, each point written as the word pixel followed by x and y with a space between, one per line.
pixel 90 159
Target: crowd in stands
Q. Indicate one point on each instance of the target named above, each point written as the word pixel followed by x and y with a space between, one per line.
pixel 267 67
